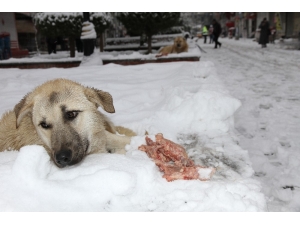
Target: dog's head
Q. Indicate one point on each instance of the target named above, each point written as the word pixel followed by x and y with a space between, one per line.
pixel 66 118
pixel 180 43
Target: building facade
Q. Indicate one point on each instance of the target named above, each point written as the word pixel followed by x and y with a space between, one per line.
pixel 287 23
pixel 20 30
pixel 245 24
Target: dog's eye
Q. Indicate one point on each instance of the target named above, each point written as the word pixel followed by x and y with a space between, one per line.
pixel 71 115
pixel 45 125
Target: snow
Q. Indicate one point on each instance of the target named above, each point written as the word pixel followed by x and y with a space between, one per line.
pixel 266 81
pixel 235 110
pixel 39 58
pixel 88 31
pixel 103 15
pixel 52 16
pixel 205 173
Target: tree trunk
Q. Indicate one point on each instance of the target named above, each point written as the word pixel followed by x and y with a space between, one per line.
pixel 101 42
pixel 72 47
pixel 149 41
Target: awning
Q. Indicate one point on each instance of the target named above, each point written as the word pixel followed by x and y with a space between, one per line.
pixel 25 26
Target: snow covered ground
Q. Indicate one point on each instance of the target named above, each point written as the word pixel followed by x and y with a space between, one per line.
pixel 234 110
pixel 267 82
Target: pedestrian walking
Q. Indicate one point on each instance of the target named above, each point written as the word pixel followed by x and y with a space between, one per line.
pixel 273 35
pixel 264 33
pixel 79 45
pixel 204 33
pixel 210 32
pixel 216 32
pixel 51 45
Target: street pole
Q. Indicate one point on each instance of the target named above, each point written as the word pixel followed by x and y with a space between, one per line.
pixel 88 40
pixel 237 26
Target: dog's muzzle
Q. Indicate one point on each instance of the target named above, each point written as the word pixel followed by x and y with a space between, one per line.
pixel 63 157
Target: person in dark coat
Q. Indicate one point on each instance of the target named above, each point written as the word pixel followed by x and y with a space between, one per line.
pixel 216 32
pixel 264 33
pixel 51 45
pixel 79 45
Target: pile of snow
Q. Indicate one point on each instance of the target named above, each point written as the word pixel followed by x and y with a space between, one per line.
pixel 184 100
pixel 88 31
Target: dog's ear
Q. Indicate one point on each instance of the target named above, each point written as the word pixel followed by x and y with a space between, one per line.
pixel 22 109
pixel 100 98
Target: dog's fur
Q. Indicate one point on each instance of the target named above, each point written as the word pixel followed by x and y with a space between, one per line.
pixel 180 45
pixel 62 116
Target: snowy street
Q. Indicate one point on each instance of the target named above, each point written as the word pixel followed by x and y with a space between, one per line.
pixel 267 82
pixel 235 110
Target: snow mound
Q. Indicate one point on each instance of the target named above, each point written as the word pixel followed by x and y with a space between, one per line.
pixel 186 102
pixel 100 184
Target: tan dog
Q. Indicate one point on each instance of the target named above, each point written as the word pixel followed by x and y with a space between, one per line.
pixel 179 46
pixel 62 116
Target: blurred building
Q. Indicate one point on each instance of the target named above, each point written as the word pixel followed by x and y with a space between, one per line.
pixel 19 29
pixel 287 23
pixel 245 24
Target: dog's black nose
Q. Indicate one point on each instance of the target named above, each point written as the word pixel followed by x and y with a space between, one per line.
pixel 63 157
